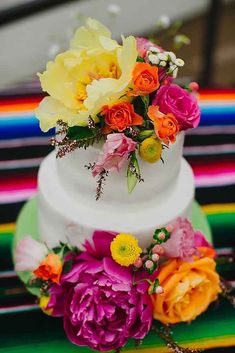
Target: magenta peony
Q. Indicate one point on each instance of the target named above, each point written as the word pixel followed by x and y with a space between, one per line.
pixel 102 307
pixel 182 240
pixel 183 105
pixel 116 150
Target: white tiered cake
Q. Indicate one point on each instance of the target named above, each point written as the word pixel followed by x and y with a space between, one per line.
pixel 68 209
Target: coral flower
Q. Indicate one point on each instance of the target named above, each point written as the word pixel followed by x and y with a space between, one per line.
pixel 189 288
pixel 50 268
pixel 145 79
pixel 166 126
pixel 120 116
pixel 125 250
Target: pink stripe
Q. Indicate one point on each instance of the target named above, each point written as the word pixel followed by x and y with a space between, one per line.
pixel 215 179
pixel 17 195
pixel 15 185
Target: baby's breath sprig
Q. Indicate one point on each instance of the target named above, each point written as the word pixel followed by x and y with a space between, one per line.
pixel 63 127
pixel 135 171
pixel 165 334
pixel 100 182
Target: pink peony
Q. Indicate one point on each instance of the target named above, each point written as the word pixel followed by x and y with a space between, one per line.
pixel 115 153
pixel 102 308
pixel 183 105
pixel 29 254
pixel 143 46
pixel 182 240
pixel 200 240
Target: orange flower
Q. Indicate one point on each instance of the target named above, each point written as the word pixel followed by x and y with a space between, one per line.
pixel 189 288
pixel 166 126
pixel 145 79
pixel 120 116
pixel 50 268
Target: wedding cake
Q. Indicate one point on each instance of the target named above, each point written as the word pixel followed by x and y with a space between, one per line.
pixel 115 248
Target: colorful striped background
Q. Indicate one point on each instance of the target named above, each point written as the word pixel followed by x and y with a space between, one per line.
pixel 210 150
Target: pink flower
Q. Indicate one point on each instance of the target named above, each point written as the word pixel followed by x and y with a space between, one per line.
pixel 183 105
pixel 182 240
pixel 29 254
pixel 200 240
pixel 115 153
pixel 143 46
pixel 102 308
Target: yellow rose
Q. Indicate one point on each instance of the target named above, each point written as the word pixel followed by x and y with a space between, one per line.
pixel 94 72
pixel 189 288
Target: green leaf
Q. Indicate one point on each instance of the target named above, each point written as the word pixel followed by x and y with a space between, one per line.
pixel 67 266
pixel 145 100
pixel 80 133
pixel 145 134
pixel 140 59
pixel 155 285
pixel 141 104
pixel 132 177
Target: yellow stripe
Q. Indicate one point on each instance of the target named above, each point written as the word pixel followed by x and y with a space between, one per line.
pixel 7 227
pixel 219 208
pixel 204 344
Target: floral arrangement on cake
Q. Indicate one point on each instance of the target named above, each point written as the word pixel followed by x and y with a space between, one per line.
pixel 112 290
pixel 120 96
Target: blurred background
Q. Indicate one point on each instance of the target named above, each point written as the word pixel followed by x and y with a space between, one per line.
pixel 32 31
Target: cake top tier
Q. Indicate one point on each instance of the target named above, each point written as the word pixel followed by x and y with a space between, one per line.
pixel 119 95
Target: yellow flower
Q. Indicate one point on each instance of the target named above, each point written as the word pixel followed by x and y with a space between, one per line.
pixel 189 288
pixel 150 150
pixel 125 250
pixel 94 72
pixel 43 302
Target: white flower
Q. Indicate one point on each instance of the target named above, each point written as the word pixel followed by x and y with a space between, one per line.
pixel 179 62
pixel 154 50
pixel 29 254
pixel 153 59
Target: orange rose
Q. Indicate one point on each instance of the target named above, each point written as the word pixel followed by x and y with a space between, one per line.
pixel 189 288
pixel 120 116
pixel 50 268
pixel 166 126
pixel 145 79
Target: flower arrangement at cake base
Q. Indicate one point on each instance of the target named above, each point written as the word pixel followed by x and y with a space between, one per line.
pixel 112 290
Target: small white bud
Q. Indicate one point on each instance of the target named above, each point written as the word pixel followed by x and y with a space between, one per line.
pixel 162 56
pixel 153 59
pixel 165 21
pixel 172 56
pixel 114 9
pixel 179 62
pixel 159 290
pixel 154 50
pixel 162 63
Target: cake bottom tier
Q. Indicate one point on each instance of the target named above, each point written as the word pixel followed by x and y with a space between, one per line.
pixel 62 217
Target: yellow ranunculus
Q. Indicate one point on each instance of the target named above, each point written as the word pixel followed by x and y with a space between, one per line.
pixel 94 72
pixel 189 288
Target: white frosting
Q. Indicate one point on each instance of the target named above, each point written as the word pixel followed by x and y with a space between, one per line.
pixel 159 178
pixel 68 210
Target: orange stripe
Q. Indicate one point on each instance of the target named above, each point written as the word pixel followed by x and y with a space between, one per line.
pixel 18 107
pixel 219 96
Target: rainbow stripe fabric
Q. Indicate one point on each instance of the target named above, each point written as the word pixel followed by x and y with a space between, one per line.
pixel 210 149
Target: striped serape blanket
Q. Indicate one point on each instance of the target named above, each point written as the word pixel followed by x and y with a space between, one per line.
pixel 210 150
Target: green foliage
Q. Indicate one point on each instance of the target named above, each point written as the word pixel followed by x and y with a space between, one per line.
pixel 133 173
pixel 140 59
pixel 80 132
pixel 157 232
pixel 141 104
